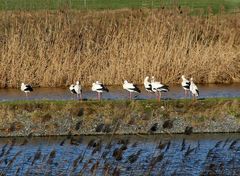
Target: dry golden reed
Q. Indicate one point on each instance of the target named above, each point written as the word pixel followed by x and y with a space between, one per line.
pixel 54 49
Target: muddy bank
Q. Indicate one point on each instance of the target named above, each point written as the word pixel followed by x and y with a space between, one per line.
pixel 40 118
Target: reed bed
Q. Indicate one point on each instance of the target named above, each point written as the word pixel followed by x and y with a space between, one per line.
pixel 56 48
pixel 122 156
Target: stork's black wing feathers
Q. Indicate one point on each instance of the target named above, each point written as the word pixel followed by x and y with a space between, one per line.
pixel 136 89
pixel 73 91
pixel 197 91
pixel 28 88
pixel 187 86
pixel 149 88
pixel 103 88
pixel 164 87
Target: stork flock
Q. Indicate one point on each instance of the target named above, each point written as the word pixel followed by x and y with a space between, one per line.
pixel 151 86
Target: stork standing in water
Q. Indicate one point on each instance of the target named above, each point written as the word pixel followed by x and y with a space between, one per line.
pixel 76 89
pixel 186 85
pixel 99 88
pixel 194 89
pixel 26 88
pixel 130 87
pixel 158 88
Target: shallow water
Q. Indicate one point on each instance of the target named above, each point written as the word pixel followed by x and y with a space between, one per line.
pixel 206 91
pixel 90 155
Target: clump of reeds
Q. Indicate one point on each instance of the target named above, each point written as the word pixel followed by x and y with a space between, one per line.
pixel 122 158
pixel 53 49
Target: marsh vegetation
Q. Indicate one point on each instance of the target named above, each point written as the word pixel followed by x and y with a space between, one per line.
pixel 56 48
pixel 121 155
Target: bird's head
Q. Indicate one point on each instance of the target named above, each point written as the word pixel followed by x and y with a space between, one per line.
pixel 191 79
pixel 125 81
pixel 77 82
pixel 183 76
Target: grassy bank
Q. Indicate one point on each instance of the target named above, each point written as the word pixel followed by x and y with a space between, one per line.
pixel 215 5
pixel 53 49
pixel 202 106
pixel 121 117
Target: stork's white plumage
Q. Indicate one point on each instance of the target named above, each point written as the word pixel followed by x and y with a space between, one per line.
pixel 186 85
pixel 158 88
pixel 130 87
pixel 194 89
pixel 26 88
pixel 147 84
pixel 78 90
pixel 99 88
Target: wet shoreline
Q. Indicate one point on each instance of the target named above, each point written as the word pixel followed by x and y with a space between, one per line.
pixel 117 93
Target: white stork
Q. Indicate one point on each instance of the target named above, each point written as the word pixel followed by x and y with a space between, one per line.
pixel 194 89
pixel 76 89
pixel 186 85
pixel 130 87
pixel 99 88
pixel 26 88
pixel 158 88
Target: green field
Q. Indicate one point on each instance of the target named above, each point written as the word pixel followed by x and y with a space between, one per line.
pixel 215 5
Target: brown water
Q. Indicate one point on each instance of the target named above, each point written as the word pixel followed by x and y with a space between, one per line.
pixel 176 92
pixel 182 155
